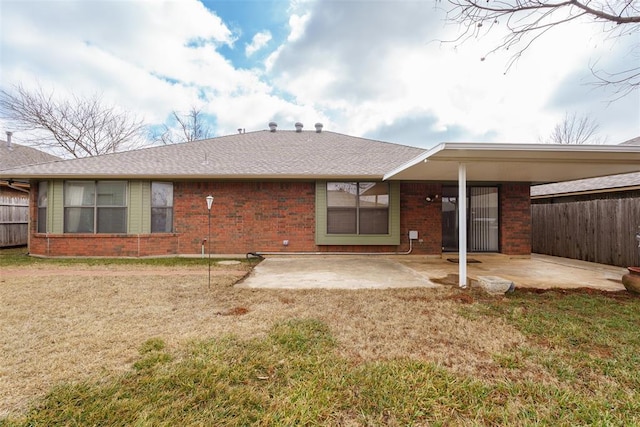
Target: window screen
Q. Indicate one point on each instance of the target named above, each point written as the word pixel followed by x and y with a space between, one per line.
pixel 91 203
pixel 43 194
pixel 161 207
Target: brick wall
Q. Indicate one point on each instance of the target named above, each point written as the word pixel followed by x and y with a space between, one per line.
pixel 515 219
pixel 425 217
pixel 259 216
pixel 245 216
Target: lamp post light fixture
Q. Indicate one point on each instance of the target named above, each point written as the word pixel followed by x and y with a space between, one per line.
pixel 209 203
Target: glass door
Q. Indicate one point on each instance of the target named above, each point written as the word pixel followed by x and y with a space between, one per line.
pixel 449 219
pixel 482 219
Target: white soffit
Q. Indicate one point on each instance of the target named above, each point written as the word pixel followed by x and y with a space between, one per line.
pixel 534 163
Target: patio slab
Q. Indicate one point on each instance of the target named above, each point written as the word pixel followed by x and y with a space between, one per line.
pixel 406 271
pixel 536 272
pixel 334 272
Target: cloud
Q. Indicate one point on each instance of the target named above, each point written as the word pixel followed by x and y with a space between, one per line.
pixel 374 68
pixel 259 41
pixel 298 25
pixel 140 55
pixel 617 113
pixel 424 130
pixel 373 64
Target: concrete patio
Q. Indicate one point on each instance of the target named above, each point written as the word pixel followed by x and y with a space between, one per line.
pixel 403 271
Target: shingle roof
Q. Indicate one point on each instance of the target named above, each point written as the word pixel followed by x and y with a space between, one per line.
pixel 634 141
pixel 260 154
pixel 19 155
pixel 605 183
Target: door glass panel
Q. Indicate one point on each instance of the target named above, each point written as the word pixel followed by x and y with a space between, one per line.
pixel 483 219
pixel 450 219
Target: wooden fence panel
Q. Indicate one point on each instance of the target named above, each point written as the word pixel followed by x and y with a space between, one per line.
pixel 598 230
pixel 14 220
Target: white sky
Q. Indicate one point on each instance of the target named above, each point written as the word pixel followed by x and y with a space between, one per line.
pixel 366 68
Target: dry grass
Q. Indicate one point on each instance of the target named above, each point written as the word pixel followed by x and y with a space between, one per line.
pixel 77 323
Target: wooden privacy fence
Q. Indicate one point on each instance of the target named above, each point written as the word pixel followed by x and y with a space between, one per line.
pixel 591 229
pixel 14 220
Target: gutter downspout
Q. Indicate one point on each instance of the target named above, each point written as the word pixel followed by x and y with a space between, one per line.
pixel 10 185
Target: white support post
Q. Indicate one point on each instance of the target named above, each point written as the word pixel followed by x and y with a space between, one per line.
pixel 462 224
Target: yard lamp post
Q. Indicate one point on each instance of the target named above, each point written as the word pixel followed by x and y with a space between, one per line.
pixel 209 203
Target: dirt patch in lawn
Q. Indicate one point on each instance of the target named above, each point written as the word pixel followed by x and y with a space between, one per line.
pixel 61 324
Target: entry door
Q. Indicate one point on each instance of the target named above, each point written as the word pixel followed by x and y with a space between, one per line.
pixel 482 219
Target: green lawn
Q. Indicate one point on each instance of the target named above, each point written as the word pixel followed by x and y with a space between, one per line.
pixel 585 347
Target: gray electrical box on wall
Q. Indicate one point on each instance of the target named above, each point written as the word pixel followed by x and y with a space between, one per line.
pixel 413 235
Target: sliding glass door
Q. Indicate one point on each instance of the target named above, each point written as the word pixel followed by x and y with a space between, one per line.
pixel 482 219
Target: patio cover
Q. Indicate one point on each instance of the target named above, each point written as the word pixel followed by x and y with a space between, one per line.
pixel 496 162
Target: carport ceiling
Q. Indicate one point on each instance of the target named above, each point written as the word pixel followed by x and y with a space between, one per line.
pixel 534 163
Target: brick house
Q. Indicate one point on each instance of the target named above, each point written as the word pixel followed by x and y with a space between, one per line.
pixel 299 191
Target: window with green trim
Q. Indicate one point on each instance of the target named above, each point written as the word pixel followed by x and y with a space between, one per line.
pixel 95 207
pixel 358 208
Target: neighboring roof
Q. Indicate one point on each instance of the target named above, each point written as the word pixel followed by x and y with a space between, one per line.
pixel 252 155
pixel 533 163
pixel 20 155
pixel 634 141
pixel 623 182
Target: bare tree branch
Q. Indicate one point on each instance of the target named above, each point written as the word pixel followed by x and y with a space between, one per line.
pixel 79 126
pixel 528 20
pixel 575 129
pixel 190 126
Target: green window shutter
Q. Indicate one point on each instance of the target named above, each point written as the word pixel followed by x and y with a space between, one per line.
pixel 55 207
pixel 139 207
pixel 322 238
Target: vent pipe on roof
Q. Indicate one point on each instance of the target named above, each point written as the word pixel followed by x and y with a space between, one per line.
pixel 273 126
pixel 318 127
pixel 299 127
pixel 239 130
pixel 9 139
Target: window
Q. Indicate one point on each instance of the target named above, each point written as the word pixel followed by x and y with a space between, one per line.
pixel 42 206
pixel 95 207
pixel 357 208
pixel 161 207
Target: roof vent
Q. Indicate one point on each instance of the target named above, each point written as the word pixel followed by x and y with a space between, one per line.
pixel 9 140
pixel 299 127
pixel 318 127
pixel 273 126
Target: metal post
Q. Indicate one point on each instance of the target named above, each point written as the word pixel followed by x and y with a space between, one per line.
pixel 209 203
pixel 462 224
